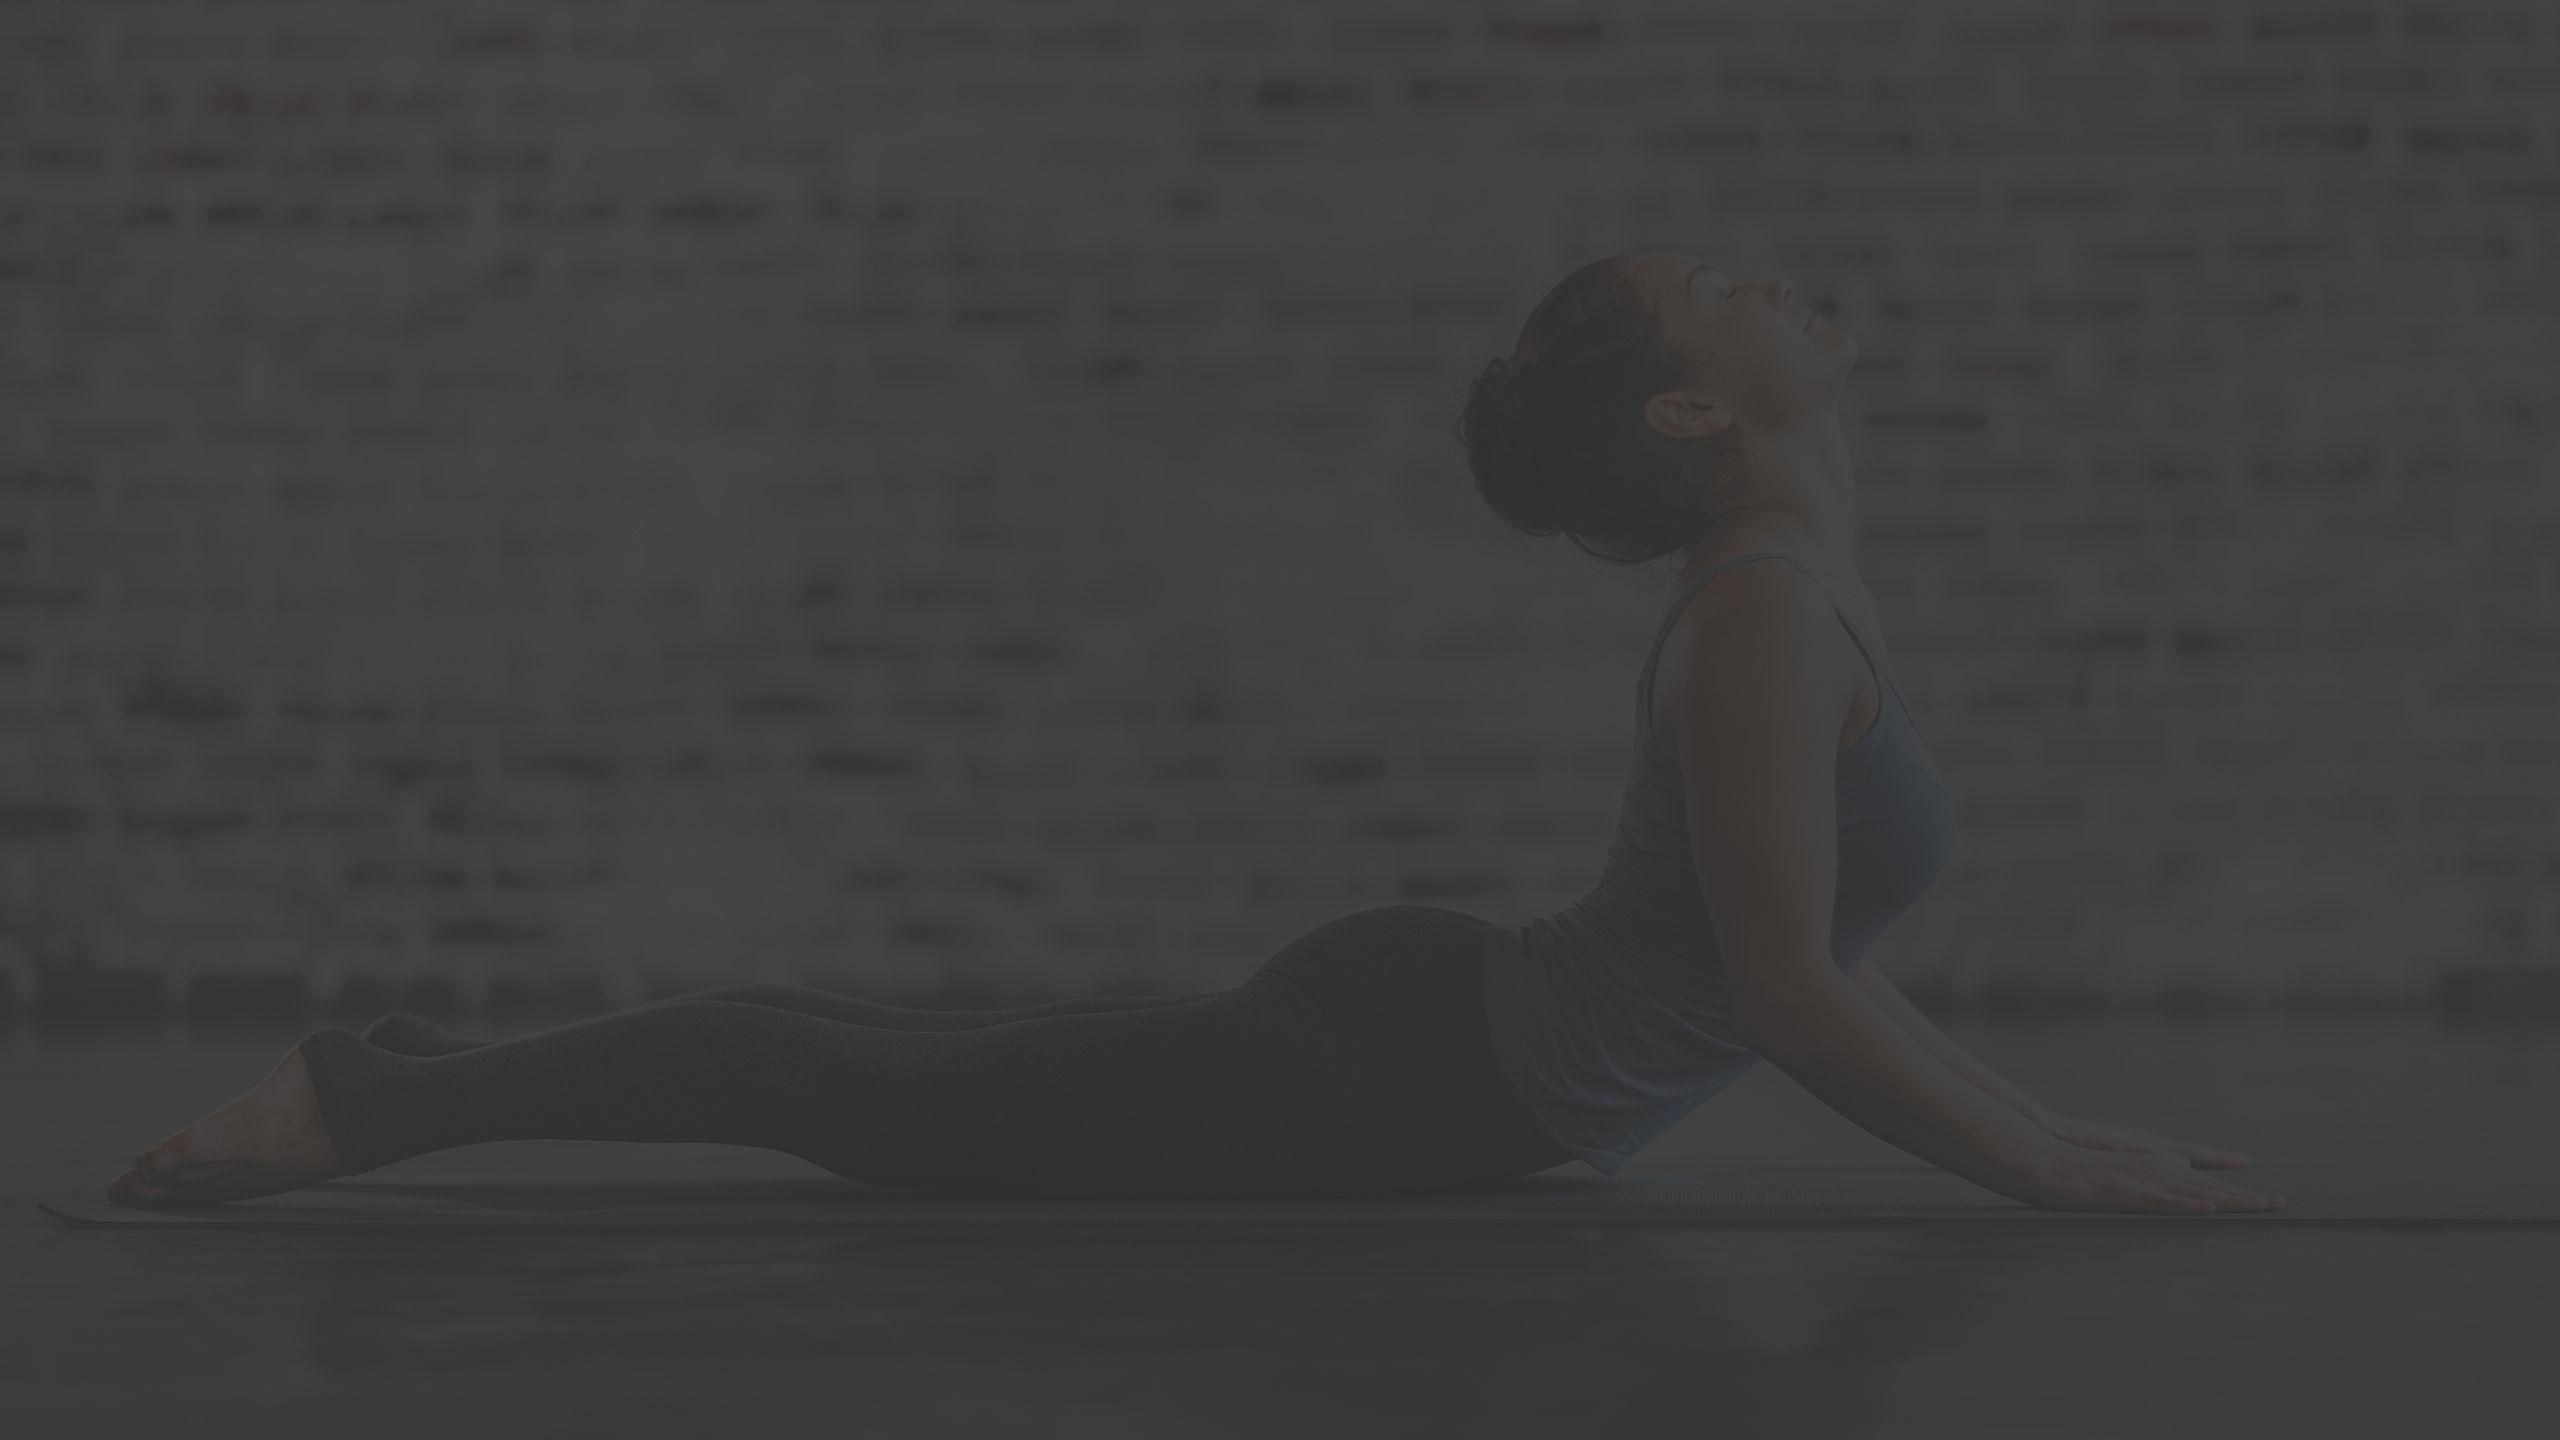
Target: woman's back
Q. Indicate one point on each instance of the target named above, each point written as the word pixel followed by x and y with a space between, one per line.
pixel 1611 1017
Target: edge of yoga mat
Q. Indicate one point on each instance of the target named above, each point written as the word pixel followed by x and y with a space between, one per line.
pixel 1738 1196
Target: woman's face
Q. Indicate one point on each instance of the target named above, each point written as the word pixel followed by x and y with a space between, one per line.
pixel 1756 353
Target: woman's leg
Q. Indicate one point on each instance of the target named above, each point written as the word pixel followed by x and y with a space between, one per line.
pixel 1238 1092
pixel 1353 1063
pixel 402 1033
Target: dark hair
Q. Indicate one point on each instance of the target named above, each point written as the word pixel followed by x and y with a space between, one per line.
pixel 1555 432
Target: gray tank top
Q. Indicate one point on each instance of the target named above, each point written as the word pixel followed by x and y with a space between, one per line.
pixel 1609 1017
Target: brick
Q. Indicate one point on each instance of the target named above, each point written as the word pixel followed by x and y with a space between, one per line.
pixel 1300 93
pixel 2148 27
pixel 2322 25
pixel 361 998
pixel 543 996
pixel 95 993
pixel 1389 34
pixel 2502 991
pixel 1468 90
pixel 252 996
pixel 1546 34
pixel 497 40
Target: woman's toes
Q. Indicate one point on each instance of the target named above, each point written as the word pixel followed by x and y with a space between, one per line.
pixel 165 1159
pixel 131 1189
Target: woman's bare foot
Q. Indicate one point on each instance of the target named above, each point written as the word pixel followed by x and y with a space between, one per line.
pixel 268 1140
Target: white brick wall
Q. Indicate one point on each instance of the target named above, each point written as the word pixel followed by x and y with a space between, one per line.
pixel 661 495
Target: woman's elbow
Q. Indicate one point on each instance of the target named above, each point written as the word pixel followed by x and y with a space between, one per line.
pixel 1775 1018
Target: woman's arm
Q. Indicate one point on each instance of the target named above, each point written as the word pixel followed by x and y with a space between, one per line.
pixel 1870 976
pixel 2090 1134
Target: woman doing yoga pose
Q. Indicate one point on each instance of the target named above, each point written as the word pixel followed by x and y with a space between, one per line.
pixel 1780 808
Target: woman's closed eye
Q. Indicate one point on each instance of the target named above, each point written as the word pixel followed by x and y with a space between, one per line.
pixel 1716 284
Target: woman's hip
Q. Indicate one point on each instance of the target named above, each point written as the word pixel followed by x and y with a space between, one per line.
pixel 1401 990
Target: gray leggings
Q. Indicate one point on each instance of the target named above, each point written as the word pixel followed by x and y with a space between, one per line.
pixel 1353 1062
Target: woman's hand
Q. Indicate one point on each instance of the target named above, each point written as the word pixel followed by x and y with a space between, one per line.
pixel 2070 1177
pixel 2090 1135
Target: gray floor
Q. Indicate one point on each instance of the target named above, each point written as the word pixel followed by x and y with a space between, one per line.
pixel 1975 1330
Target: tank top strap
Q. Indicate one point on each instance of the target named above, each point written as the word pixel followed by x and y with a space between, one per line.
pixel 1680 602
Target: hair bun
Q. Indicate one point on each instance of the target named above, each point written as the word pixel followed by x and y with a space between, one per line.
pixel 1559 443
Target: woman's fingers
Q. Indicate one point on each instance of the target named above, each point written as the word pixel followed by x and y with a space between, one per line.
pixel 2155 1181
pixel 2124 1137
pixel 2174 1171
pixel 2182 1201
pixel 2228 1197
pixel 2208 1157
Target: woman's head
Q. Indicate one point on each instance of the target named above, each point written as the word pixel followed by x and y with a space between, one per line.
pixel 1628 382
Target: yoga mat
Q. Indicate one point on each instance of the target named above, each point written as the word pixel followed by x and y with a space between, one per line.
pixel 2365 1194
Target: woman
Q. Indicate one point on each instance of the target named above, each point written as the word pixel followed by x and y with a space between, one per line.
pixel 1651 407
